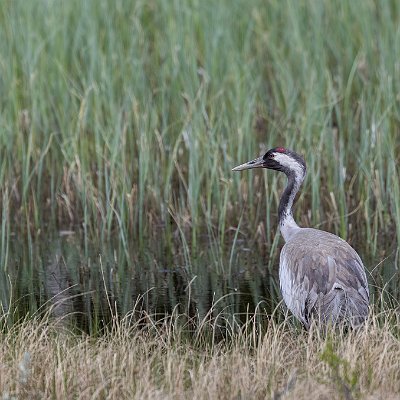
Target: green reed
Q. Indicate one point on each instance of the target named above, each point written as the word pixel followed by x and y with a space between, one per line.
pixel 122 120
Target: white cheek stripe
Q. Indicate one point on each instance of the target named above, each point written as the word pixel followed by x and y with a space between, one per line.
pixel 290 163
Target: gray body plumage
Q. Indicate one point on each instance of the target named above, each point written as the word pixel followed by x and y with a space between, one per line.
pixel 321 276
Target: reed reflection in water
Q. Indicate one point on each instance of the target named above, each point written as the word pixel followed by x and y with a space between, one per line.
pixel 85 286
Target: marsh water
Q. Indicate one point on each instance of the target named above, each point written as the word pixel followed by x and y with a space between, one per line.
pixel 87 283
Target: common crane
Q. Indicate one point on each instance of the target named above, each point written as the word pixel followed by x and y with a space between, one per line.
pixel 321 276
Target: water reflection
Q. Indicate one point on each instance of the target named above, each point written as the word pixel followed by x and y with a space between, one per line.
pixel 58 288
pixel 86 285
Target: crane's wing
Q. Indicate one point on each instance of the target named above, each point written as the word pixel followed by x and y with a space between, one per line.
pixel 322 275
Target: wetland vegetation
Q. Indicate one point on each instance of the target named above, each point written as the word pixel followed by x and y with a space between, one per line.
pixel 119 125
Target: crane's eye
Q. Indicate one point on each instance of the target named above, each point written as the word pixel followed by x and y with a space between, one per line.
pixel 269 156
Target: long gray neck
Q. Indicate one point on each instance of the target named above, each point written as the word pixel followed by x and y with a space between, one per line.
pixel 287 224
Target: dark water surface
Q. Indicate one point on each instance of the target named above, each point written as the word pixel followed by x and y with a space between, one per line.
pixel 85 284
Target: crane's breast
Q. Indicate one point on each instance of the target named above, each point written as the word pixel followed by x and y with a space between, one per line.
pixel 294 288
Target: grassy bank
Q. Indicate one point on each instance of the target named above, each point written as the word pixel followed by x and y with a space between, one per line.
pixel 163 361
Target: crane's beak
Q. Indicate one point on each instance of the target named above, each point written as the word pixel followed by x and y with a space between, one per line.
pixel 257 163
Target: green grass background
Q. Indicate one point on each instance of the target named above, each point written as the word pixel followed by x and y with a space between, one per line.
pixel 121 120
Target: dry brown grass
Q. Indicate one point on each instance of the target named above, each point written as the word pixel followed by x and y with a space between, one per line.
pixel 40 360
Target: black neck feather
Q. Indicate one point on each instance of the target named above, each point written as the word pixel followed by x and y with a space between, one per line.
pixel 287 199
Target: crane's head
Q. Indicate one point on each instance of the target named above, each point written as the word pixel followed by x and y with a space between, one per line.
pixel 279 159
